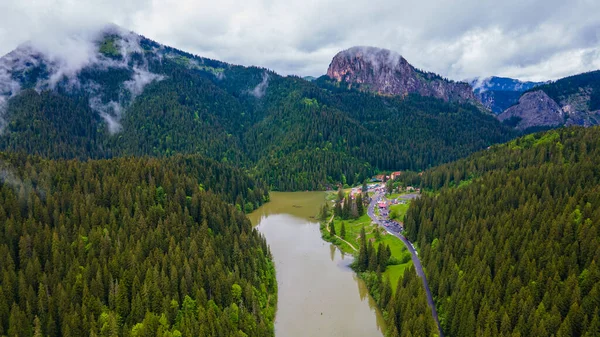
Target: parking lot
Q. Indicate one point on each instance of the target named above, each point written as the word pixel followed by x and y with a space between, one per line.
pixel 392 225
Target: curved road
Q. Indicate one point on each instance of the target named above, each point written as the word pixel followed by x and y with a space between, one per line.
pixel 415 258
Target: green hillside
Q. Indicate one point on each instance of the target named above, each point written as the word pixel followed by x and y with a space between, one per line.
pixel 131 247
pixel 510 237
pixel 291 133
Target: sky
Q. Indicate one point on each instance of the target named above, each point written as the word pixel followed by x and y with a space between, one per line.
pixel 458 39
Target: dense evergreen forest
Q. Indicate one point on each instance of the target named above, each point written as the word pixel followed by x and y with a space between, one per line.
pixel 131 247
pixel 290 133
pixel 510 239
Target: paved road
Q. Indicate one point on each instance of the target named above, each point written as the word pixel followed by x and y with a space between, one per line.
pixel 415 258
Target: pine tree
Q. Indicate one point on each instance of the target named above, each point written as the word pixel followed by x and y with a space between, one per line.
pixel 37 327
pixel 337 211
pixel 122 300
pixel 354 210
pixel 340 195
pixel 363 258
pixel 389 186
pixel 343 231
pixel 346 209
pixel 324 212
pixel 377 234
pixel 359 205
pixel 137 310
pixel 372 257
pixel 381 263
pixel 594 327
pixel 332 228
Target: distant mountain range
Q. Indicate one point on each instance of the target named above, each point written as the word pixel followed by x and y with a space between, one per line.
pixel 118 93
pixel 573 100
pixel 496 83
pixel 499 93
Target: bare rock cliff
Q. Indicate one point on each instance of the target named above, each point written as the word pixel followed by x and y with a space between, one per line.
pixel 535 108
pixel 387 73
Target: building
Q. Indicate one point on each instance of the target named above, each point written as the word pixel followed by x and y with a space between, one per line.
pixel 395 175
pixel 382 204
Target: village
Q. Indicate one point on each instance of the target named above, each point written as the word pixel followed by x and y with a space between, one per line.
pixel 386 198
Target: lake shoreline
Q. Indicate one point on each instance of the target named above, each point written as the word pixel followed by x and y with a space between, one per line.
pixel 315 279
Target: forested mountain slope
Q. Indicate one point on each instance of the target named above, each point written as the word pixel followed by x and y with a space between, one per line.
pixel 511 244
pixel 130 247
pixel 573 100
pixel 137 97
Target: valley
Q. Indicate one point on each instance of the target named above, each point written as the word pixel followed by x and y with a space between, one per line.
pixel 149 191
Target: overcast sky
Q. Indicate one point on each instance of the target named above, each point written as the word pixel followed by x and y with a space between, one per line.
pixel 459 39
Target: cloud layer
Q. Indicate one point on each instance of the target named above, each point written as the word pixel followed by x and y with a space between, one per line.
pixel 64 53
pixel 527 39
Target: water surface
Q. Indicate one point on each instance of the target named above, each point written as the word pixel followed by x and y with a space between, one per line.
pixel 319 295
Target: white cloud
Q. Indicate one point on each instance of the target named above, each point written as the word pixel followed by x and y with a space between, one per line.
pixel 65 53
pixel 261 89
pixel 111 112
pixel 141 78
pixel 532 39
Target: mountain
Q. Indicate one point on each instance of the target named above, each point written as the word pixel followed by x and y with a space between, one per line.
pixel 510 237
pixel 115 93
pixel 499 93
pixel 495 83
pixel 130 247
pixel 534 109
pixel 573 100
pixel 386 72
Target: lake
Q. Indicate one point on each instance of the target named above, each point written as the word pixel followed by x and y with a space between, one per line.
pixel 319 295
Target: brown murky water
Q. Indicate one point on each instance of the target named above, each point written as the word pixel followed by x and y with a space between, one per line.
pixel 319 295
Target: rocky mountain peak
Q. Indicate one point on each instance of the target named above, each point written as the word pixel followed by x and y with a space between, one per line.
pixel 367 58
pixel 386 72
pixel 535 109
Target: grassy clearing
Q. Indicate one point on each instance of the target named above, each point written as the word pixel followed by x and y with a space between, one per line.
pixel 402 256
pixel 399 252
pixel 341 244
pixel 398 211
pixel 108 47
pixel 394 195
pixel 353 228
pixel 395 273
